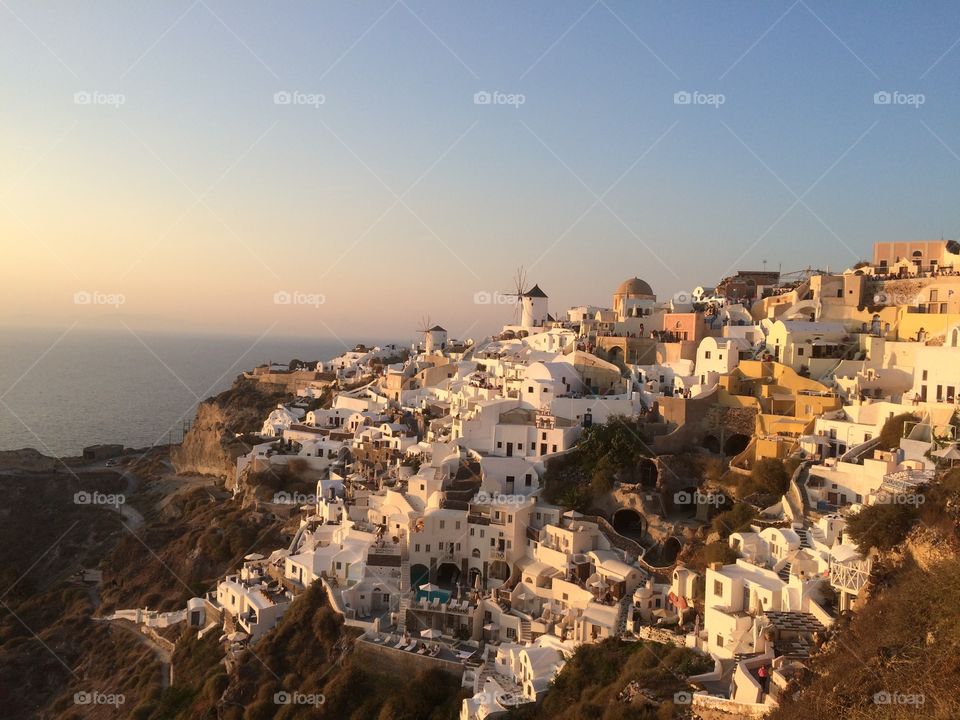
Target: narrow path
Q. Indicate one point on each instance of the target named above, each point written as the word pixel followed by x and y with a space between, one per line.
pixel 164 657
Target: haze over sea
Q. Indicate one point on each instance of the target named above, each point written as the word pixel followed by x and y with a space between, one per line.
pixel 99 386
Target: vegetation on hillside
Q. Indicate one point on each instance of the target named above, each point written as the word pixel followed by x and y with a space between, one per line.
pixel 615 680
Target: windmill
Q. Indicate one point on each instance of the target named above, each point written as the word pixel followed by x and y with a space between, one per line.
pixel 519 282
pixel 424 328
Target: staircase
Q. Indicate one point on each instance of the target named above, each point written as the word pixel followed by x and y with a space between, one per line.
pixel 404 583
pixel 526 636
pixel 784 572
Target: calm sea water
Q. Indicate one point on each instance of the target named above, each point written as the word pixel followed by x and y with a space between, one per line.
pixel 104 386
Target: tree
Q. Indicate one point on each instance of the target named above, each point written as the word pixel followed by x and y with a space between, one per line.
pixel 882 526
pixel 736 519
pixel 769 477
pixel 893 430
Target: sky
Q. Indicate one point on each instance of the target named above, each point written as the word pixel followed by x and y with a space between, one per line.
pixel 344 169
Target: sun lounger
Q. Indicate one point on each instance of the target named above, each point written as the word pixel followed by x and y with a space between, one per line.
pixel 400 643
pixel 411 646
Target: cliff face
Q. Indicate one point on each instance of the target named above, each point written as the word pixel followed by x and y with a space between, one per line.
pixel 208 449
pixel 211 446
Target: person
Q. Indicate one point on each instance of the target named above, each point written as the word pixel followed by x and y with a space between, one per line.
pixel 764 677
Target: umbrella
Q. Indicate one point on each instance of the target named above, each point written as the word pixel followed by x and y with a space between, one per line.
pixel 237 636
pixel 431 633
pixel 429 587
pixel 253 556
pixel 477 582
pixel 815 439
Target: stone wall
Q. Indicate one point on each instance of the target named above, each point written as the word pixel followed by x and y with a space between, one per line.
pixel 399 662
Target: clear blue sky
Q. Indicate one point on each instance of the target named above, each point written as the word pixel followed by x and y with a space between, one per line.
pixel 199 197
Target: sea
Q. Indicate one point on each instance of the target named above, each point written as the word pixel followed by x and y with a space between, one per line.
pixel 63 389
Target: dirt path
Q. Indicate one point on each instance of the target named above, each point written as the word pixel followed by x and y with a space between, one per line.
pixel 164 657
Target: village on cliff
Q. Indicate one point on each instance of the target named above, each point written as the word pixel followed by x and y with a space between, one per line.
pixel 431 528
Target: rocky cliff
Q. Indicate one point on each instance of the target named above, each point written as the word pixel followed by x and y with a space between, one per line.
pixel 212 445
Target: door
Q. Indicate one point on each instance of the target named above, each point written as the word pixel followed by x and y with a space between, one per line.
pixel 543 448
pixel 509 449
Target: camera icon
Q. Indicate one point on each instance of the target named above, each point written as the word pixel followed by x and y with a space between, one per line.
pixel 282 297
pixel 282 498
pixel 482 98
pixel 82 498
pixel 482 298
pixel 82 98
pixel 881 698
pixel 282 98
pixel 682 298
pixel 882 97
pixel 82 698
pixel 82 297
pixel 282 698
pixel 683 697
pixel 682 97
pixel 682 498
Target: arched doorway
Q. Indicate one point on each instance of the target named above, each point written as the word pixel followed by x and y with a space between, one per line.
pixel 736 444
pixel 419 574
pixel 499 570
pixel 669 550
pixel 711 443
pixel 647 470
pixel 629 523
pixel 447 575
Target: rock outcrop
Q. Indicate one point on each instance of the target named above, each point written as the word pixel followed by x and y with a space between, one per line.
pixel 216 438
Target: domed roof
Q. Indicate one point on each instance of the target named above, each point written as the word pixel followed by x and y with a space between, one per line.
pixel 634 286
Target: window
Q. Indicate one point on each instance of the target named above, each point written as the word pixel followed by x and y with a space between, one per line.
pixel 800 352
pixel 719 640
pixel 443 524
pixel 471 531
pixel 457 525
pixel 428 547
pixel 543 436
pixel 499 443
pixel 707 354
pixel 554 448
pixel 530 389
pixel 416 548
pixel 440 545
pixel 924 375
pixel 527 480
pixel 718 588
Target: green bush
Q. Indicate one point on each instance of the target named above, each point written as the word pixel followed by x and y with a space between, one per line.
pixel 882 526
pixel 768 477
